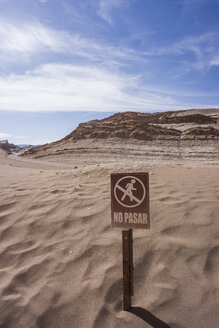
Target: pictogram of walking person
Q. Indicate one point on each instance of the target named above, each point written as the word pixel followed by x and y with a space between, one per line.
pixel 129 190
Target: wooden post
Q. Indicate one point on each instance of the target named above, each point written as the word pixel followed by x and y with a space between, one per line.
pixel 131 262
pixel 127 250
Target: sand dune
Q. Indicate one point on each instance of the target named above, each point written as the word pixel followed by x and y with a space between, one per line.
pixel 60 259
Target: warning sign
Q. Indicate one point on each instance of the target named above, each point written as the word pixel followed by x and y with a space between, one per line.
pixel 130 200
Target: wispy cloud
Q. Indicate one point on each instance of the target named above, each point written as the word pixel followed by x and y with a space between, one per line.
pixel 27 38
pixel 26 41
pixel 203 48
pixel 97 79
pixel 192 2
pixel 106 6
pixel 4 135
pixel 214 61
pixel 204 44
pixel 198 49
pixel 31 39
pixel 192 52
pixel 56 87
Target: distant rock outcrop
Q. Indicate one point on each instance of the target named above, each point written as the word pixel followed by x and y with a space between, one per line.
pixel 9 147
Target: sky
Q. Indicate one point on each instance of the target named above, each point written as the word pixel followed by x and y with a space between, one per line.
pixel 65 62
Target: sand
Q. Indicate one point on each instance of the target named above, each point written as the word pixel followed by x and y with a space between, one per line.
pixel 61 261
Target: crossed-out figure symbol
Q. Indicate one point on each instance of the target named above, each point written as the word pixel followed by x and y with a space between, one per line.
pixel 127 191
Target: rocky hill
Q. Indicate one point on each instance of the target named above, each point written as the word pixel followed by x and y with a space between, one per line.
pixel 191 126
pixel 8 147
pixel 148 127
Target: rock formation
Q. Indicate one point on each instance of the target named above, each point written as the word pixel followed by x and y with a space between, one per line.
pixel 190 125
pixel 144 127
pixel 8 147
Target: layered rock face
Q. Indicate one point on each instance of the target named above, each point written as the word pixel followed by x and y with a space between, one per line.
pixel 122 126
pixel 158 126
pixel 191 131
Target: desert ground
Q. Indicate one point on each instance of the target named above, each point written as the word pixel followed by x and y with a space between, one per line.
pixel 61 261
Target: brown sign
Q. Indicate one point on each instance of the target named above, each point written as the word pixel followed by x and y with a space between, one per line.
pixel 130 200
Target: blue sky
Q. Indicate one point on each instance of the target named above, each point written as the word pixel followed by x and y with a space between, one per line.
pixel 68 61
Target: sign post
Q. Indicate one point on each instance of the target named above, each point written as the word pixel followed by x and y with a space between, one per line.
pixel 127 251
pixel 129 209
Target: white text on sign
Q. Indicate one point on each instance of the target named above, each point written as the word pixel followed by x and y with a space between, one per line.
pixel 129 217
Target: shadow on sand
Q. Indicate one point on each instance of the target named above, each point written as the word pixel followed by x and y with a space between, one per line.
pixel 148 317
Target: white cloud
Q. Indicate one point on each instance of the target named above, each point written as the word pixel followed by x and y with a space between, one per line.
pixel 26 38
pixel 30 39
pixel 198 45
pixel 193 2
pixel 56 87
pixel 200 51
pixel 91 86
pixel 106 6
pixel 7 136
pixel 214 61
pixel 203 48
pixel 4 135
pixel 26 41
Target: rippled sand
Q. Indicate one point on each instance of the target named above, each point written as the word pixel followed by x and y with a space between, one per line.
pixel 61 261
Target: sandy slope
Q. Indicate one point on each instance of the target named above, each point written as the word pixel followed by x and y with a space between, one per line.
pixel 60 260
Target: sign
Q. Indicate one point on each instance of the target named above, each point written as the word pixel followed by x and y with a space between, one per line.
pixel 130 200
